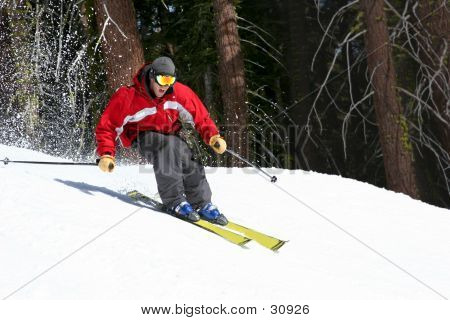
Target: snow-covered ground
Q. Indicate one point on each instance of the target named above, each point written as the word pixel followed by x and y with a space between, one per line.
pixel 69 232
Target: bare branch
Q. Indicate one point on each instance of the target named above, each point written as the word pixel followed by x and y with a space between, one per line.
pixel 338 13
pixel 102 35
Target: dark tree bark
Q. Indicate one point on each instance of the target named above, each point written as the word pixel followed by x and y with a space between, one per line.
pixel 24 97
pixel 231 77
pixel 392 126
pixel 6 63
pixel 435 36
pixel 123 53
pixel 297 62
pixel 209 90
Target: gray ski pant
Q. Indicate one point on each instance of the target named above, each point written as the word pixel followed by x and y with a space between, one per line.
pixel 179 177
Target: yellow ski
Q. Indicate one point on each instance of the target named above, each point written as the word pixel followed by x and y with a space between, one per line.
pixel 224 233
pixel 263 239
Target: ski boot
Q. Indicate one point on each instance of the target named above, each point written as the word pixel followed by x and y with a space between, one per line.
pixel 185 211
pixel 210 213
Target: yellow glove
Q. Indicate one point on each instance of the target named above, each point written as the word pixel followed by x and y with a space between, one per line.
pixel 106 163
pixel 218 144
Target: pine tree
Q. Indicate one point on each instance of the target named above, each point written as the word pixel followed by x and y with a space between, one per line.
pixel 393 127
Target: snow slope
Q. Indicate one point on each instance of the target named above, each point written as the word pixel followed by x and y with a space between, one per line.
pixel 70 233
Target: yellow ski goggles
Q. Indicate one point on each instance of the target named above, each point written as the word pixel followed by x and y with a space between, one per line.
pixel 163 80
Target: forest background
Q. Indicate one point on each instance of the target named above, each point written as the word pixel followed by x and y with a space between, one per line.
pixel 355 88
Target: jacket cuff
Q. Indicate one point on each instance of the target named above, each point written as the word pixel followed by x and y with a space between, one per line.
pixel 106 151
pixel 207 137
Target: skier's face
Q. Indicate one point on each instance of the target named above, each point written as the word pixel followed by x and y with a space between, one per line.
pixel 157 89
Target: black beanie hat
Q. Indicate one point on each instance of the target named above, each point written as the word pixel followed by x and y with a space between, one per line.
pixel 164 66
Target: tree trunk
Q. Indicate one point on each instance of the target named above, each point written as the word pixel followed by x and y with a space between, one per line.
pixel 435 40
pixel 209 90
pixel 231 77
pixel 121 45
pixel 297 64
pixel 392 125
pixel 6 64
pixel 21 21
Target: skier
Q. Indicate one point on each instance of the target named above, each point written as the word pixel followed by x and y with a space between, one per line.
pixel 148 115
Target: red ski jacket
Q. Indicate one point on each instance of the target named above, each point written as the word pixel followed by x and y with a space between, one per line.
pixel 133 109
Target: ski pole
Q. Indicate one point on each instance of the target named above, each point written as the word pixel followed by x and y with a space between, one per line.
pixel 272 178
pixel 6 161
